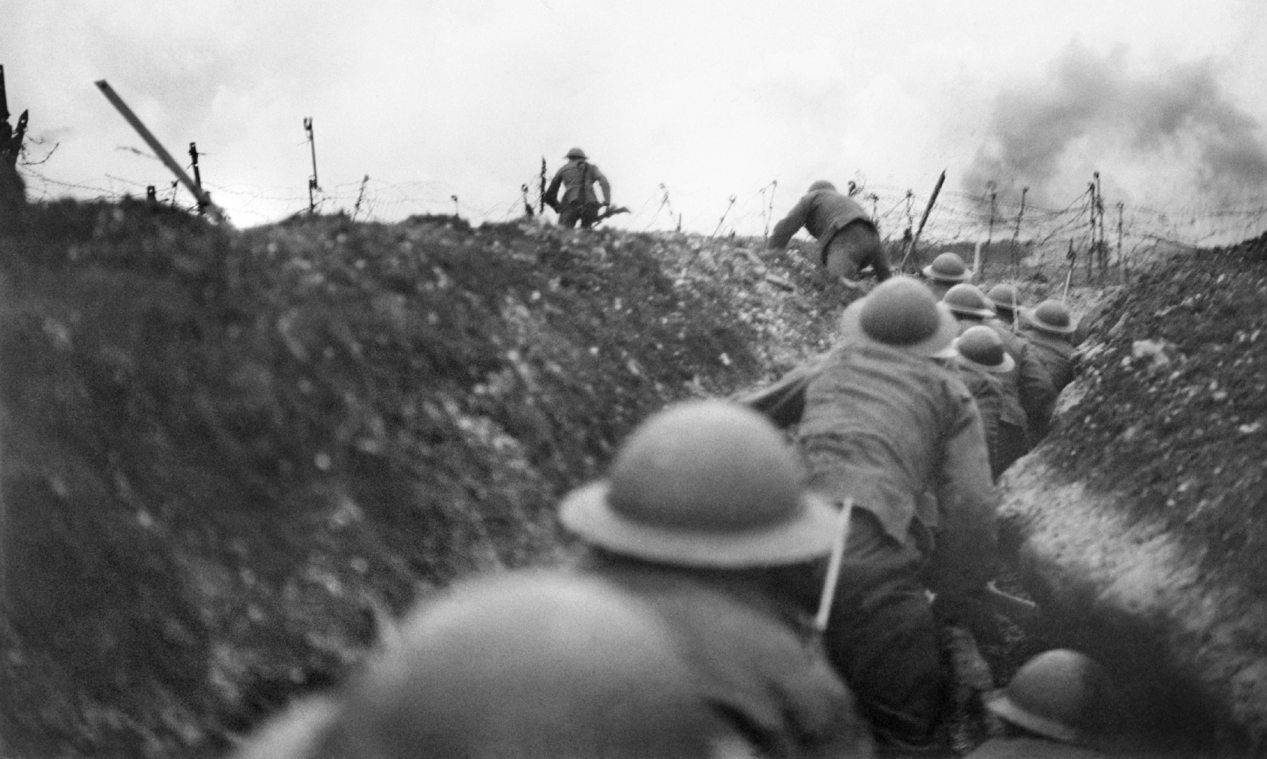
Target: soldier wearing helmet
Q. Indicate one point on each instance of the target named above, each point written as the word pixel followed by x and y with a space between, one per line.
pixel 1050 327
pixel 534 664
pixel 580 203
pixel 946 271
pixel 703 511
pixel 1028 382
pixel 1007 303
pixel 984 366
pixel 884 425
pixel 1061 704
pixel 848 239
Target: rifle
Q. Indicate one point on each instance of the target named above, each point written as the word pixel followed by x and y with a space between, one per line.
pixel 610 212
pixel 910 245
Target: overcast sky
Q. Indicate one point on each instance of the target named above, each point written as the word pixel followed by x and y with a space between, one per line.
pixel 693 101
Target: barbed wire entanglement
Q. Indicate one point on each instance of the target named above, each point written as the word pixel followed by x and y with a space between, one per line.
pixel 1101 232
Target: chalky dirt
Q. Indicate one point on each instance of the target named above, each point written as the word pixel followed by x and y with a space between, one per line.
pixel 228 455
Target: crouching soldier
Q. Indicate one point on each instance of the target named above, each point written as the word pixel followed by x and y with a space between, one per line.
pixel 703 511
pixel 885 426
pixel 526 664
pixel 984 366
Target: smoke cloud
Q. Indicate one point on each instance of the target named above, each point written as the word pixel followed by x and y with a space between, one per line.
pixel 1093 112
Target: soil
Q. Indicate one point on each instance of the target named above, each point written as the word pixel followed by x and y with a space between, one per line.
pixel 227 454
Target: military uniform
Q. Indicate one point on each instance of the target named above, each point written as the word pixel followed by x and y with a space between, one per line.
pixel 888 430
pixel 579 202
pixel 848 240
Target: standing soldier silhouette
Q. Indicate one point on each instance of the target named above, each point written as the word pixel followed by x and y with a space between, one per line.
pixel 580 202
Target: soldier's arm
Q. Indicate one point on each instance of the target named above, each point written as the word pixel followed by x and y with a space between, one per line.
pixel 790 224
pixel 552 192
pixel 603 184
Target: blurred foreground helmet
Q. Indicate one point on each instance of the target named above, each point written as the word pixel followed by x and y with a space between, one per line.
pixel 1051 316
pixel 706 484
pixel 900 313
pixel 1061 694
pixel 576 153
pixel 533 665
pixel 1005 296
pixel 982 346
pixel 967 300
pixel 947 267
pixel 821 184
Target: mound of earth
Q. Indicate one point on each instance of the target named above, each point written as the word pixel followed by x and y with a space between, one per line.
pixel 227 453
pixel 1142 522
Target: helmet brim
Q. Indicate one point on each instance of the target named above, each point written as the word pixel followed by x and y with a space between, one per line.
pixel 1033 320
pixel 928 272
pixel 587 512
pixel 947 330
pixel 1006 709
pixel 1008 364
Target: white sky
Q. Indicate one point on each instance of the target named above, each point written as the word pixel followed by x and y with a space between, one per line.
pixel 709 99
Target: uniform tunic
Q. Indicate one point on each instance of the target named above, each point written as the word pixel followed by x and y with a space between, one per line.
pixel 750 656
pixel 826 214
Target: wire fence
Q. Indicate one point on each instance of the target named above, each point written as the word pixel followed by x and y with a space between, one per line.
pixel 1114 234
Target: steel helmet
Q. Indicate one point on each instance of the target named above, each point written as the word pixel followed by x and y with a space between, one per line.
pixel 966 299
pixel 1004 297
pixel 1051 316
pixel 821 184
pixel 576 153
pixel 530 664
pixel 900 313
pixel 948 267
pixel 706 483
pixel 982 346
pixel 1061 694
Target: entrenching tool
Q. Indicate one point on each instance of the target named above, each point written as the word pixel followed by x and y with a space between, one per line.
pixel 833 568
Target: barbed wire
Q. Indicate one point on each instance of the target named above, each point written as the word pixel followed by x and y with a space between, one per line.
pixel 957 216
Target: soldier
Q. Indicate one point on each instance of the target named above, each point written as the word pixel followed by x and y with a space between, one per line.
pixel 1029 380
pixel 702 515
pixel 946 271
pixel 534 664
pixel 984 367
pixel 580 203
pixel 1060 705
pixel 889 430
pixel 1049 328
pixel 848 239
pixel 1007 303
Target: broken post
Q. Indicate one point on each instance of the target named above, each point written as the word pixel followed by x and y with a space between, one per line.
pixel 10 138
pixel 313 187
pixel 204 200
pixel 1016 235
pixel 910 245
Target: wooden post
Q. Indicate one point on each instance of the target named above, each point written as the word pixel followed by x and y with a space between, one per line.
pixel 1016 235
pixel 989 235
pixel 193 157
pixel 928 209
pixel 541 199
pixel 313 187
pixel 175 168
pixel 454 198
pixel 1121 262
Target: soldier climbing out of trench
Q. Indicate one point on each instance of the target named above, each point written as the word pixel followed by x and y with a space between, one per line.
pixel 579 203
pixel 885 426
pixel 848 239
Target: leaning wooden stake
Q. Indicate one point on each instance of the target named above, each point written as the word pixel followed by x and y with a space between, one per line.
pixel 204 200
pixel 910 245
